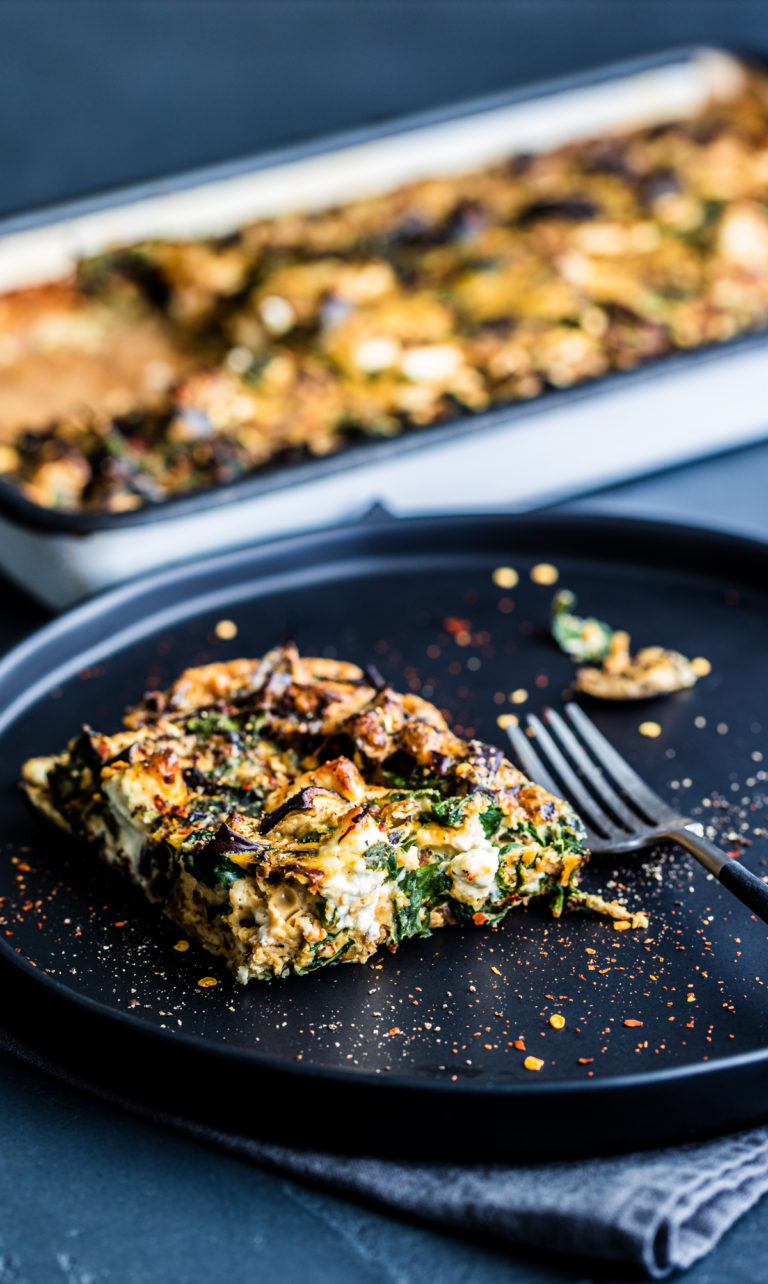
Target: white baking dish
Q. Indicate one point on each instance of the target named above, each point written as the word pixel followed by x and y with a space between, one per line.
pixel 558 444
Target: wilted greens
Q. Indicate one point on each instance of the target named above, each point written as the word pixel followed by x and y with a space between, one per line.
pixel 582 637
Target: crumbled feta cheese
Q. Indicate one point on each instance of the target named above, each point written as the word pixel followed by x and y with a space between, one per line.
pixel 744 237
pixel 473 870
pixel 239 359
pixel 431 364
pixel 277 314
pixel 376 354
pixel 353 895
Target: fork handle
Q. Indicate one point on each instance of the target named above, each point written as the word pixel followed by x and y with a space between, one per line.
pixel 745 885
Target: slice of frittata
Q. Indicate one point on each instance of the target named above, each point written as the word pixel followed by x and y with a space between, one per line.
pixel 294 812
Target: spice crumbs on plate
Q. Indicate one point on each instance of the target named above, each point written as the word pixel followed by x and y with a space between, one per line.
pixel 505 577
pixel 181 946
pixel 544 573
pixel 519 696
pixel 586 1061
pixel 557 1021
pixel 226 630
pixel 650 729
pixel 533 1063
pixel 520 1045
pixel 206 981
pixel 505 720
pixel 621 925
pixel 632 1023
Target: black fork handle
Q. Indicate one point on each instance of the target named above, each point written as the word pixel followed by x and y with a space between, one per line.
pixel 745 885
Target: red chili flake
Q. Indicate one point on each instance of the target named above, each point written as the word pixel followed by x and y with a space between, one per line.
pixel 632 1023
pixel 478 919
pixel 520 1045
pixel 395 1030
pixel 586 1061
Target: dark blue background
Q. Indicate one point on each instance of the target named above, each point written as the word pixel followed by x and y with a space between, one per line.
pixel 99 92
pixel 93 94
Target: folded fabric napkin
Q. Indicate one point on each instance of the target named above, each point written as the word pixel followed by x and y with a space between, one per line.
pixel 658 1210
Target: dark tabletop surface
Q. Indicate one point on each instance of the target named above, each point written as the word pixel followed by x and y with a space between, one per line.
pixel 97 93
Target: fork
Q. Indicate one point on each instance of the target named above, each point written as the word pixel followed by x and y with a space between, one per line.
pixel 620 812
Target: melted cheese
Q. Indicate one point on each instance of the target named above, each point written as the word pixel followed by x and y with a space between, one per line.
pixel 473 868
pixel 354 897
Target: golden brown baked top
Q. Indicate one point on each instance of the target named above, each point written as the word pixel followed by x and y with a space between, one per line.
pixel 297 335
pixel 291 812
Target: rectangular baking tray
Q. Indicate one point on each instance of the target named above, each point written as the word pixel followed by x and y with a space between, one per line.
pixel 512 457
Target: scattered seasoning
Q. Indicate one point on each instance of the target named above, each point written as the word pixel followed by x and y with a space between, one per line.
pixel 586 1061
pixel 544 573
pixel 226 630
pixel 700 666
pixel 557 1021
pixel 496 971
pixel 649 729
pixel 505 720
pixel 533 1063
pixel 620 925
pixel 181 946
pixel 206 982
pixel 690 998
pixel 505 577
pixel 519 696
pixel 632 1023
pixel 520 1045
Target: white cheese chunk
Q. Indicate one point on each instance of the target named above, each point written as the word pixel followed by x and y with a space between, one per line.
pixel 473 870
pixel 376 354
pixel 353 895
pixel 432 363
pixel 277 314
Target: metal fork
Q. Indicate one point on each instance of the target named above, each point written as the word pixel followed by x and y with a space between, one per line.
pixel 619 810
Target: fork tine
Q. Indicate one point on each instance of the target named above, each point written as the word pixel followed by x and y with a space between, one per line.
pixel 575 791
pixel 639 794
pixel 591 772
pixel 529 760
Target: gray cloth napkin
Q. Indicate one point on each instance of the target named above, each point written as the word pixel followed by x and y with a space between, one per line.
pixel 658 1210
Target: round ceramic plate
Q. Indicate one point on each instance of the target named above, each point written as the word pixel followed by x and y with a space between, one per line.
pixel 666 1030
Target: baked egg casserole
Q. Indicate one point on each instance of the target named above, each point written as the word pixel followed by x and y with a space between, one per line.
pixel 294 812
pixel 170 366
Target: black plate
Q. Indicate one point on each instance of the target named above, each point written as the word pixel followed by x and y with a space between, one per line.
pixel 416 1051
